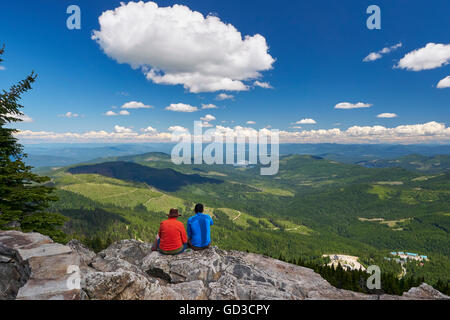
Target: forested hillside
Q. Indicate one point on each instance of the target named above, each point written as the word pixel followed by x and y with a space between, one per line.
pixel 313 207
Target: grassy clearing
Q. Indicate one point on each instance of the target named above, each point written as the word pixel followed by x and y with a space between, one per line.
pixel 121 196
pixel 67 179
pixel 289 226
pixel 382 192
pixel 245 220
pixel 164 203
pixel 393 224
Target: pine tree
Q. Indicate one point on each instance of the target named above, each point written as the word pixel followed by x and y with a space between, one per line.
pixel 23 195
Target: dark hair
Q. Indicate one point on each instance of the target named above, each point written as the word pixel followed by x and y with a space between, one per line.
pixel 199 208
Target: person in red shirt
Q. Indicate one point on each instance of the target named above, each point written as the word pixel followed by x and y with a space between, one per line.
pixel 172 237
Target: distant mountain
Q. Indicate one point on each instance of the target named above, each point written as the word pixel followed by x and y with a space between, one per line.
pixel 416 162
pixel 163 179
pixel 52 155
pixel 48 155
pixel 39 161
pixel 349 153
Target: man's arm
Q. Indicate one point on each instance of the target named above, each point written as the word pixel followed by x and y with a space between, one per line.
pixel 159 231
pixel 183 235
pixel 189 231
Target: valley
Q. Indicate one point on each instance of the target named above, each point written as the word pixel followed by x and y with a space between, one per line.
pixel 313 207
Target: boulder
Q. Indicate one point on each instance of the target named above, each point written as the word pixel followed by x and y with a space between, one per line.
pixel 33 267
pixel 39 268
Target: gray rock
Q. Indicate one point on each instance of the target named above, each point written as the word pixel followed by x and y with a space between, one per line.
pixel 33 267
pixel 86 255
pixel 119 285
pixel 43 269
pixel 14 273
pixel 423 292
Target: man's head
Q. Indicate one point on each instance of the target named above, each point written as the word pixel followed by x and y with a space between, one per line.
pixel 174 213
pixel 199 208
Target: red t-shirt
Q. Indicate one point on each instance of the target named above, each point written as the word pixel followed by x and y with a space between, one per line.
pixel 172 235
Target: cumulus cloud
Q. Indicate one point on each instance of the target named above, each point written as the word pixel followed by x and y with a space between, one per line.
pixel 2 68
pixel 149 130
pixel 209 106
pixel 433 55
pixel 404 134
pixel 348 105
pixel 119 129
pixel 206 125
pixel 251 122
pixel 387 115
pixel 264 85
pixel 444 83
pixel 121 113
pixel 379 54
pixel 181 107
pixel 177 129
pixel 178 46
pixel 306 121
pixel 208 118
pixel 224 96
pixel 20 117
pixel 136 105
pixel 69 115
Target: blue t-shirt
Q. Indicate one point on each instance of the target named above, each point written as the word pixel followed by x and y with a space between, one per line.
pixel 199 230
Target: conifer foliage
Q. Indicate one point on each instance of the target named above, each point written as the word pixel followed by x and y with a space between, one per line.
pixel 24 197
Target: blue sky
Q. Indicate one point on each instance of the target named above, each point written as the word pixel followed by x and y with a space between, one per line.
pixel 318 48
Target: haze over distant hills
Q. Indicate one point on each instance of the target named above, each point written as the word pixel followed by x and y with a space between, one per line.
pixel 51 155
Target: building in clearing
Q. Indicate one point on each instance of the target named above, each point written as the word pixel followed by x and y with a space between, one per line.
pixel 409 255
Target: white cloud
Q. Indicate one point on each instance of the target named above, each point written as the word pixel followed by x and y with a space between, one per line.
pixel 433 55
pixel 121 113
pixel 206 125
pixel 177 129
pixel 22 117
pixel 149 130
pixel 181 107
pixel 208 118
pixel 264 85
pixel 2 68
pixel 178 46
pixel 70 115
pixel 224 96
pixel 251 122
pixel 387 115
pixel 296 127
pixel 372 57
pixel 444 83
pixel 306 121
pixel 378 55
pixel 431 132
pixel 348 105
pixel 209 106
pixel 136 105
pixel 119 129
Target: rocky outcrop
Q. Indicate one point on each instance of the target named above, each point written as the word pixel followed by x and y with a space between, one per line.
pixel 37 268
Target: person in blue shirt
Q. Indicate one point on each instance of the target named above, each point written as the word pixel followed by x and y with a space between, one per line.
pixel 199 229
